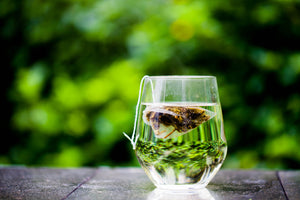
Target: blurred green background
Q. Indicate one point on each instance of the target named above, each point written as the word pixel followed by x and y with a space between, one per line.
pixel 71 71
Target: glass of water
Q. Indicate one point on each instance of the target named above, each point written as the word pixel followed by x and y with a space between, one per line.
pixel 179 135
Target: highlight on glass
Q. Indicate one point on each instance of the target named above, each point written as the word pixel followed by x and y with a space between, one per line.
pixel 178 134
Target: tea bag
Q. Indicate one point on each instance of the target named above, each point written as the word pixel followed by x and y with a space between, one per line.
pixel 173 121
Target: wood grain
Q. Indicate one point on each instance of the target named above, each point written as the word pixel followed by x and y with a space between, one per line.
pixel 291 183
pixel 132 183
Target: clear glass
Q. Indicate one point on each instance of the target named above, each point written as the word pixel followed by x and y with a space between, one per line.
pixel 179 135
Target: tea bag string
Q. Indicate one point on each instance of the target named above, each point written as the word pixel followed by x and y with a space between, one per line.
pixel 133 139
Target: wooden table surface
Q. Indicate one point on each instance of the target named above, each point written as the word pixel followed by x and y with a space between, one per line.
pixel 132 183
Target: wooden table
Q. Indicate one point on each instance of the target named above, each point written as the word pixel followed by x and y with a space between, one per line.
pixel 132 183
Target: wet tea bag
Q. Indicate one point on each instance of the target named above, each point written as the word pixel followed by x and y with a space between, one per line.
pixel 173 121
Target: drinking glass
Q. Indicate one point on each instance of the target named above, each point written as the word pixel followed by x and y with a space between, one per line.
pixel 178 136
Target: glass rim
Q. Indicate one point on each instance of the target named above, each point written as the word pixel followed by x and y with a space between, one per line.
pixel 182 77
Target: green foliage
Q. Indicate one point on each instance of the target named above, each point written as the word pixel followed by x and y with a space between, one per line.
pixel 166 154
pixel 73 70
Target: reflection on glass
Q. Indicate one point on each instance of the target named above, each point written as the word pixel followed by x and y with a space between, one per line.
pixel 201 194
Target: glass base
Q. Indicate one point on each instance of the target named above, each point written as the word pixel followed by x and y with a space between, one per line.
pixel 181 188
